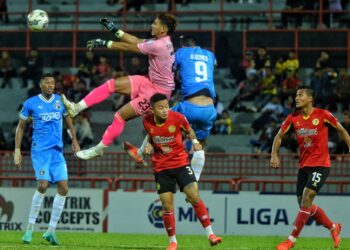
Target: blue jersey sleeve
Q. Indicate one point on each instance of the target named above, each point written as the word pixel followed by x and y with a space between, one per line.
pixel 25 111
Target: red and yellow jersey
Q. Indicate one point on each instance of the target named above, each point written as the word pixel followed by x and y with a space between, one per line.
pixel 312 136
pixel 169 151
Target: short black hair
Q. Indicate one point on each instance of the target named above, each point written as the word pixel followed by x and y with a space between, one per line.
pixel 309 91
pixel 157 97
pixel 46 75
pixel 187 41
pixel 169 21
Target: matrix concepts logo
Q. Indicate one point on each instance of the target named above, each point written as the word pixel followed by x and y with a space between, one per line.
pixel 6 211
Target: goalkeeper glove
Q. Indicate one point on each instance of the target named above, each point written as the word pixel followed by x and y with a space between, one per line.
pixel 96 43
pixel 109 25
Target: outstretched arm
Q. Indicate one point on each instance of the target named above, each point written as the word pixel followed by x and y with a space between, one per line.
pixel 120 46
pixel 343 134
pixel 275 161
pixel 123 36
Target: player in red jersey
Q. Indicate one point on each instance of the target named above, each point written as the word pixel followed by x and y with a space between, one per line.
pixel 171 165
pixel 310 127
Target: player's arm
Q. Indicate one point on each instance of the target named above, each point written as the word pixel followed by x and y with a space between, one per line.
pixel 119 46
pixel 275 161
pixel 18 142
pixel 75 144
pixel 344 135
pixel 123 36
pixel 192 136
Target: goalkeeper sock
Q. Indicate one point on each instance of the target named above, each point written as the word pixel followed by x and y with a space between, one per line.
pixel 113 130
pixel 99 94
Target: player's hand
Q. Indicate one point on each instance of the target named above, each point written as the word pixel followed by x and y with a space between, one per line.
pixel 108 24
pixel 18 158
pixel 197 146
pixel 96 43
pixel 275 161
pixel 148 150
pixel 75 146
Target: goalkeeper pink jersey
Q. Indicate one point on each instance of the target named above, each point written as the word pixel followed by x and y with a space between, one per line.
pixel 161 59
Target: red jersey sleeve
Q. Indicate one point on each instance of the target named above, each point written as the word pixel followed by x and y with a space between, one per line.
pixel 287 123
pixel 329 118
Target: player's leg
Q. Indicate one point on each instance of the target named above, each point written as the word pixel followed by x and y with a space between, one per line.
pixel 41 169
pixel 166 187
pixel 121 85
pixel 187 183
pixel 124 114
pixel 58 171
pixel 201 119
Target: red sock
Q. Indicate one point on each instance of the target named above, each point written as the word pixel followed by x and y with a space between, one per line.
pixel 100 93
pixel 202 213
pixel 320 217
pixel 302 217
pixel 169 222
pixel 113 130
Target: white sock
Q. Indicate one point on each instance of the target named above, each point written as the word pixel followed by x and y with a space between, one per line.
pixel 142 147
pixel 209 230
pixel 57 207
pixel 100 146
pixel 172 239
pixel 35 208
pixel 81 106
pixel 197 163
pixel 292 238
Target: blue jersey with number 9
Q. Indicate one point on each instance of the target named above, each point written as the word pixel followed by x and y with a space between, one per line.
pixel 196 66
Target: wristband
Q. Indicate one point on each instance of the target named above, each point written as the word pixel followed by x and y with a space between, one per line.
pixel 119 33
pixel 195 141
pixel 109 44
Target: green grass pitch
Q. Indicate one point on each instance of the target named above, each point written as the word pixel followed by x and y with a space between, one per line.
pixel 99 241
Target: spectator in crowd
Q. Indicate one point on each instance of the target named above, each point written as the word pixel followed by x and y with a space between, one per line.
pixel 223 125
pixel 219 106
pixel 32 68
pixel 335 7
pixel 324 61
pixel 279 69
pixel 103 69
pixel 291 10
pixel 290 85
pixel 88 68
pixel 272 110
pixel 342 89
pixel 83 130
pixel 7 70
pixel 292 62
pixel 262 59
pixel 3 143
pixel 136 67
pixel 246 64
pixel 264 143
pixel 78 90
pixel 268 89
pixel 248 90
pixel 4 17
pixel 316 82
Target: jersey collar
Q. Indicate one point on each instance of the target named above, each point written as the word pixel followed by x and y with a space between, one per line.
pixel 45 100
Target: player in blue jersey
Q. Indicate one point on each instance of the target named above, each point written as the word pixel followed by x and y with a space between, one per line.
pixel 195 67
pixel 46 111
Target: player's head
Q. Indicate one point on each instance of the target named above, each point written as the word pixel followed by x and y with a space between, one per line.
pixel 163 25
pixel 305 96
pixel 187 41
pixel 159 106
pixel 47 84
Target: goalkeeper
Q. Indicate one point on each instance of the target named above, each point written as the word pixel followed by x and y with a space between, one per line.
pixel 140 88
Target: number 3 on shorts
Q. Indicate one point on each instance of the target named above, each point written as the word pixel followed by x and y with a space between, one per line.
pixel 189 170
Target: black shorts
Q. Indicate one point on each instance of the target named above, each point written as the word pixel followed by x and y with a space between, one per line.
pixel 166 180
pixel 311 177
